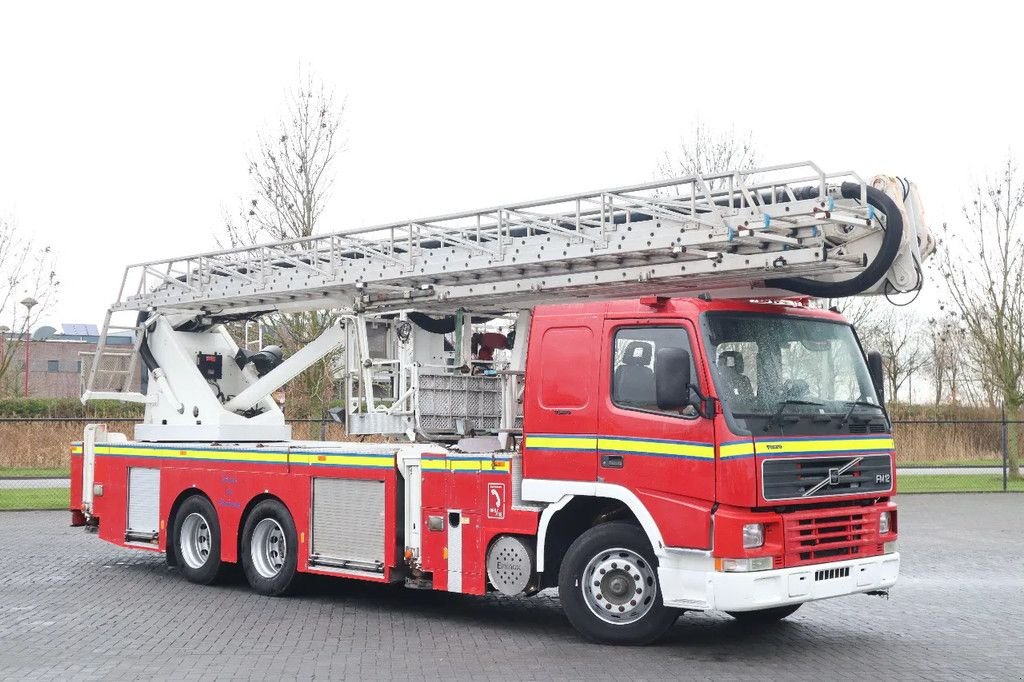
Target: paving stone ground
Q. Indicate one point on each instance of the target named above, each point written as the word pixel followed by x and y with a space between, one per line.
pixel 74 607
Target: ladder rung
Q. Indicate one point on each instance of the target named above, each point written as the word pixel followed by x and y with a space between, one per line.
pixel 759 212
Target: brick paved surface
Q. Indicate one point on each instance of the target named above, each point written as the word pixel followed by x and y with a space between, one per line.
pixel 73 607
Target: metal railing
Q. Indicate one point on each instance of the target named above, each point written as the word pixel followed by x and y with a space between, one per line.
pixel 710 217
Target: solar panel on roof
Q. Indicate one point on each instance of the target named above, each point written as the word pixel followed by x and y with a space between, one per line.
pixel 76 329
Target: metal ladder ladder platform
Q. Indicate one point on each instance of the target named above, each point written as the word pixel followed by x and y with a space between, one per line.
pixel 111 389
pixel 680 236
pixel 729 233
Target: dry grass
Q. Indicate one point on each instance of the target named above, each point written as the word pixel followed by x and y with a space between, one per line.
pixel 43 444
pixel 46 444
pixel 947 443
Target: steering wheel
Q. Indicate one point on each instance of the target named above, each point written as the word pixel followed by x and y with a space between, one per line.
pixel 795 388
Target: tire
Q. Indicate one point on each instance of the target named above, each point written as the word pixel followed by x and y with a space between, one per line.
pixel 613 558
pixel 764 616
pixel 197 540
pixel 270 569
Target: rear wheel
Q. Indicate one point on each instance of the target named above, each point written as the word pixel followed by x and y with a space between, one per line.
pixel 608 586
pixel 764 616
pixel 197 540
pixel 270 548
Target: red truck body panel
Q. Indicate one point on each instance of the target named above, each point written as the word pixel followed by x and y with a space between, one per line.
pixel 698 480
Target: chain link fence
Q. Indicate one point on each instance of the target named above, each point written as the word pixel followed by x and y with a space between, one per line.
pixel 931 456
pixel 959 455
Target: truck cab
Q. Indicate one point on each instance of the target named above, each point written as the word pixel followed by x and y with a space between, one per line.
pixel 762 481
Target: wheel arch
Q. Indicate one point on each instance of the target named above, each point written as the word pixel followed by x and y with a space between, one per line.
pixel 571 514
pixel 172 558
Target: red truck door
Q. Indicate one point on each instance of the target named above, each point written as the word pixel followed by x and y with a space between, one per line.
pixel 666 459
pixel 561 399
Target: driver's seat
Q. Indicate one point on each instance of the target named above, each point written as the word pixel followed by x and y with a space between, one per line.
pixel 633 383
pixel 730 368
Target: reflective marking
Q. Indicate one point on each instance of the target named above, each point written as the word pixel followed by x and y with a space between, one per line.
pixel 318 459
pixel 561 442
pixel 735 450
pixel 818 446
pixel 654 447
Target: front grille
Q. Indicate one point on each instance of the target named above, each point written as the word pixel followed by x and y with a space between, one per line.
pixel 873 427
pixel 832 573
pixel 813 477
pixel 815 536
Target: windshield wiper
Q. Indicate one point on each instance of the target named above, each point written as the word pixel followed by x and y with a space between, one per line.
pixel 783 404
pixel 853 405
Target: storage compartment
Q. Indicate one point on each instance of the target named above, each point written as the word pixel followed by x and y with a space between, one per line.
pixel 348 524
pixel 143 504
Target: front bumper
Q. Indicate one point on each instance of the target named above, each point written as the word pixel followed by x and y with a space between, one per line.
pixel 779 587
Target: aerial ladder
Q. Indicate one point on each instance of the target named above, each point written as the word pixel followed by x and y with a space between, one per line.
pixel 409 294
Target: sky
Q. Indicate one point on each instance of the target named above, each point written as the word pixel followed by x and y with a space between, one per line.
pixel 125 127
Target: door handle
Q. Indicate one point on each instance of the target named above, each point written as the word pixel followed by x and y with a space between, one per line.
pixel 612 461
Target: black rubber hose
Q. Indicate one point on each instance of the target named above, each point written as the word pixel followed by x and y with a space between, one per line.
pixel 444 325
pixel 878 266
pixel 144 352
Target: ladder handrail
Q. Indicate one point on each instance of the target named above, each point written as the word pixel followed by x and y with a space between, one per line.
pixel 411 260
pixel 821 177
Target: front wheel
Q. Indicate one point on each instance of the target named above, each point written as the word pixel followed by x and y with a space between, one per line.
pixel 608 586
pixel 764 616
pixel 270 549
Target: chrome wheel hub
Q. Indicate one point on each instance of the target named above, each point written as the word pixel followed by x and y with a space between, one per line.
pixel 269 548
pixel 619 586
pixel 195 540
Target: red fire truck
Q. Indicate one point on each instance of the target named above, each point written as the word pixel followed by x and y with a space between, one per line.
pixel 613 394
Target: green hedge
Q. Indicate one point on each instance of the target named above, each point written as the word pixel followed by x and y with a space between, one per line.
pixel 71 408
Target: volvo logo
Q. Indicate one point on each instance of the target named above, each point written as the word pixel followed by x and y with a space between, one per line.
pixel 833 476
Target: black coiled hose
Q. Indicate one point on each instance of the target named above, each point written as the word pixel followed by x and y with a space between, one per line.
pixel 878 266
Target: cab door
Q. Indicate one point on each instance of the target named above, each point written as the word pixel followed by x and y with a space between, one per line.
pixel 561 399
pixel 667 459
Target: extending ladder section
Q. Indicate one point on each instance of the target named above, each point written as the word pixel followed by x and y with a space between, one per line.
pixel 732 232
pixel 111 372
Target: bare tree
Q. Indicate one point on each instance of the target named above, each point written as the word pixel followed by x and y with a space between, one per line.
pixel 864 313
pixel 27 270
pixel 895 334
pixel 292 174
pixel 986 284
pixel 708 152
pixel 945 345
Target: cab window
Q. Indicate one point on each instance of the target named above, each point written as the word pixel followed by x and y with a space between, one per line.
pixel 634 358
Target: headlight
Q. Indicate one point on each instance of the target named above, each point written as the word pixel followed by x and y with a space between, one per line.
pixel 753 535
pixel 761 563
pixel 883 523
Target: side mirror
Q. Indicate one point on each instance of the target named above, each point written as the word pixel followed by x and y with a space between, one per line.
pixel 672 378
pixel 876 370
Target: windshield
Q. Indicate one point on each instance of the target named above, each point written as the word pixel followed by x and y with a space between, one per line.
pixel 789 375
